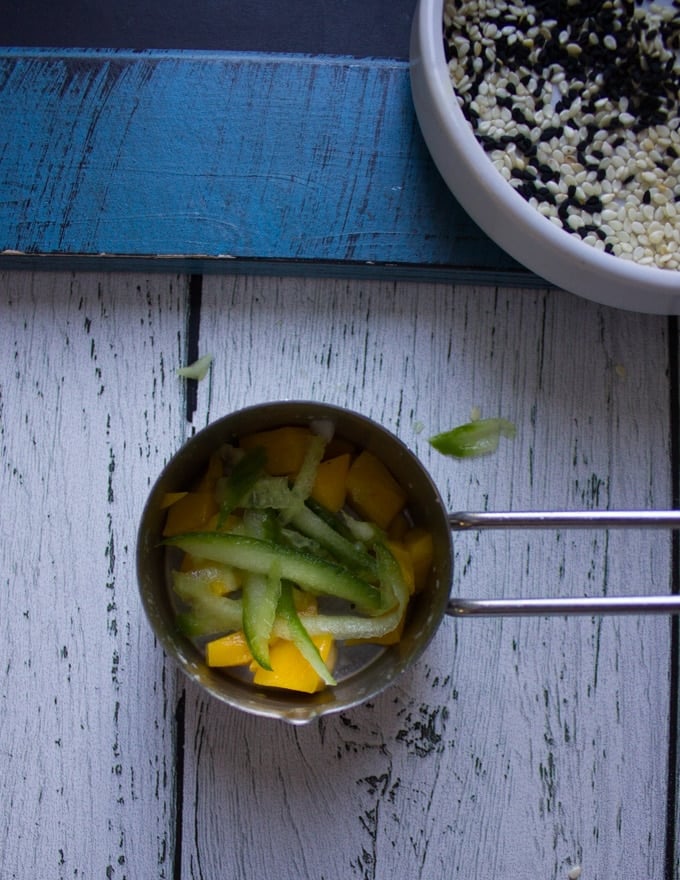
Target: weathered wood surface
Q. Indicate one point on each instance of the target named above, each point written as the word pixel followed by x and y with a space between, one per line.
pixel 225 161
pixel 513 748
pixel 87 734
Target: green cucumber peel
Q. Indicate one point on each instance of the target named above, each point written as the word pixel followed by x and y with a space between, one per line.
pixel 304 481
pixel 261 595
pixel 353 626
pixel 209 613
pixel 267 492
pixel 255 555
pixel 240 482
pixel 298 634
pixel 351 555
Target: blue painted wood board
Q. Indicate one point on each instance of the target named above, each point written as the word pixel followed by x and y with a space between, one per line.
pixel 214 161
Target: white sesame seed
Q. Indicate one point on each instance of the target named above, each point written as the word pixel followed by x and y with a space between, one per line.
pixel 633 186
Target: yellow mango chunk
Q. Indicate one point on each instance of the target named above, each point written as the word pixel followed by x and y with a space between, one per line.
pixel 222 584
pixel 418 542
pixel 305 603
pixel 194 563
pixel 330 485
pixel 391 638
pixel 231 650
pixel 171 498
pixel 405 560
pixel 399 526
pixel 339 446
pixel 228 524
pixel 285 448
pixel 212 474
pixel 373 491
pixel 190 513
pixel 290 670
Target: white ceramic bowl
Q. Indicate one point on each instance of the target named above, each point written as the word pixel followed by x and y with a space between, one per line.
pixel 547 250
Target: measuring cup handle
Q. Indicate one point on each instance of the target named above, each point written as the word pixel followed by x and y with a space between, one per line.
pixel 549 519
pixel 593 606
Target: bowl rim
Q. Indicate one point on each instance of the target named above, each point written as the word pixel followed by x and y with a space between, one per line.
pixel 429 608
pixel 439 114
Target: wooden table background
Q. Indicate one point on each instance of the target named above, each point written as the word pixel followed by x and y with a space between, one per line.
pixel 277 157
pixel 514 748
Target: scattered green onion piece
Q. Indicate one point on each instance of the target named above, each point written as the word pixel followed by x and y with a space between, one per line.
pixel 197 370
pixel 480 437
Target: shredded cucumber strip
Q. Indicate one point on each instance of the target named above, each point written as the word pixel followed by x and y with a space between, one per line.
pixel 351 555
pixel 255 555
pixel 353 626
pixel 299 635
pixel 240 481
pixel 210 613
pixel 261 594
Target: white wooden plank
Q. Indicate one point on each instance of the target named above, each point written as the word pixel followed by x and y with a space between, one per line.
pixel 89 410
pixel 507 750
pixel 673 819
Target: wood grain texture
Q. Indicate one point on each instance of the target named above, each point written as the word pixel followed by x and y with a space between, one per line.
pixel 507 750
pixel 224 161
pixel 512 748
pixel 88 702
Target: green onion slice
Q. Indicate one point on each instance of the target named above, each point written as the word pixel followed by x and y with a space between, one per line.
pixel 472 439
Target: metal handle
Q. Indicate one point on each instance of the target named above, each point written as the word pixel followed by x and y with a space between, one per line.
pixel 604 519
pixel 565 607
pixel 558 519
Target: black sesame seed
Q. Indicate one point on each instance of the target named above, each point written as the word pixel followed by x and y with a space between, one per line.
pixel 593 204
pixel 547 173
pixel 621 69
pixel 547 134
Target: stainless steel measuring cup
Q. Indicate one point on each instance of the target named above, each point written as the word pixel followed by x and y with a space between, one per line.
pixel 378 668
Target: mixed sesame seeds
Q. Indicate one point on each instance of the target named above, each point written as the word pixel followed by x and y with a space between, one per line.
pixel 576 102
